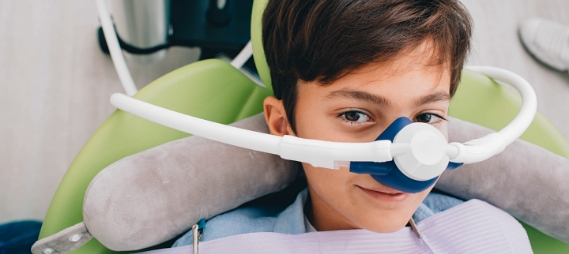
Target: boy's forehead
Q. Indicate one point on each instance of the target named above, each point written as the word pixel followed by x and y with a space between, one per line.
pixel 393 78
pixel 424 61
pixel 412 76
pixel 425 57
pixel 401 69
pixel 386 85
pixel 386 102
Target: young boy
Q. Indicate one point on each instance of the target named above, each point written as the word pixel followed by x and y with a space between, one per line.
pixel 343 70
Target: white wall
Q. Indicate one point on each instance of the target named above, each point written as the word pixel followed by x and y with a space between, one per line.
pixel 55 86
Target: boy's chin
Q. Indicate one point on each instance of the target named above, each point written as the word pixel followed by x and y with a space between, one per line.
pixel 385 226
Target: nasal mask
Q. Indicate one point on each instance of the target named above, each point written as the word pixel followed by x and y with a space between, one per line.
pixel 407 156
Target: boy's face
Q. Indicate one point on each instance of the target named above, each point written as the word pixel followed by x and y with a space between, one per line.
pixel 357 108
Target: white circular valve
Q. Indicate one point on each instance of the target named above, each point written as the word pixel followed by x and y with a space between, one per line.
pixel 427 147
pixel 427 158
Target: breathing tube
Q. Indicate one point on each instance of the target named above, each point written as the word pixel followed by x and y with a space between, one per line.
pixel 408 156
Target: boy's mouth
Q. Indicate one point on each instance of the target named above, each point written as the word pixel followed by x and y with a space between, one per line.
pixel 385 194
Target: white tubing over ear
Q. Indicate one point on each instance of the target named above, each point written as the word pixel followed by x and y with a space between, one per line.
pixel 483 148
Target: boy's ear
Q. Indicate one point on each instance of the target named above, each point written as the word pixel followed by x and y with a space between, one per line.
pixel 275 115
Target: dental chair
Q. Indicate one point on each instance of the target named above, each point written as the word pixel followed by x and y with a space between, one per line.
pixel 215 90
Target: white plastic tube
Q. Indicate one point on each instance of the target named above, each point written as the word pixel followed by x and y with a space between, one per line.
pixel 316 152
pixel 483 148
pixel 327 154
pixel 243 56
pixel 115 49
pixel 200 127
pixel 529 101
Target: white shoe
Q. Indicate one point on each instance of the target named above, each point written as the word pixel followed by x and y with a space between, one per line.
pixel 547 41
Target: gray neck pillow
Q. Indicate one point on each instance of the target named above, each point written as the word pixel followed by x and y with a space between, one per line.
pixel 150 197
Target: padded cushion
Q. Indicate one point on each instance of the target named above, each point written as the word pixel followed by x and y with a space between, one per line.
pixel 209 89
pixel 151 197
pixel 524 180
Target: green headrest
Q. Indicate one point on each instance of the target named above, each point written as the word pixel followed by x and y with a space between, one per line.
pixel 257 41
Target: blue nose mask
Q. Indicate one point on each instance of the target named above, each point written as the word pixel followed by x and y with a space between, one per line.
pixel 387 173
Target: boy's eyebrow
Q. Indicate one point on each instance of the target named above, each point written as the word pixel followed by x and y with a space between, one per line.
pixel 435 97
pixel 379 100
pixel 359 95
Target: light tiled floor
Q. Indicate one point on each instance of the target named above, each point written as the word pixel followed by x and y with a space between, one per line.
pixel 55 85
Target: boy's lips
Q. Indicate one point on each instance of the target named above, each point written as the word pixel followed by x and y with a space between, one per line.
pixel 384 194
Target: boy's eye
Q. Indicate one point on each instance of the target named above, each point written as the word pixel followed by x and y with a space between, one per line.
pixel 429 118
pixel 354 117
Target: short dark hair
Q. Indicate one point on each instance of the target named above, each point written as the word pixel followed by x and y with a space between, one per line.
pixel 324 40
